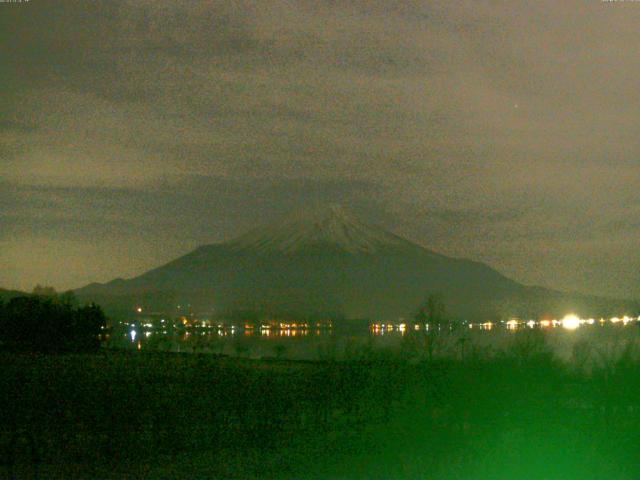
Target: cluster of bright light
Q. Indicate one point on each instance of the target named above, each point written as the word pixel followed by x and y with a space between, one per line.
pixel 624 320
pixel 571 322
pixel 512 324
pixel 295 325
pixel 383 326
pixel 482 326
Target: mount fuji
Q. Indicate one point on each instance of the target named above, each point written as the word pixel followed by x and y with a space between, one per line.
pixel 328 261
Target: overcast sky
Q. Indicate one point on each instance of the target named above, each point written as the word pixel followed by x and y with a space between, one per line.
pixel 505 132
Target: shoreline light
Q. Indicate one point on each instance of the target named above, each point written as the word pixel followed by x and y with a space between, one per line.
pixel 512 324
pixel 570 322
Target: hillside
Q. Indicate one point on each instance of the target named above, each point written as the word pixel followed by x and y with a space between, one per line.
pixel 6 295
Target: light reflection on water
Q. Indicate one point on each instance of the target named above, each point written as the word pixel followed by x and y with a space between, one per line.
pixel 313 343
pixel 248 342
pixel 568 322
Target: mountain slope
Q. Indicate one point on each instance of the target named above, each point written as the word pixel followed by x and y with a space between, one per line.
pixel 327 261
pixel 329 227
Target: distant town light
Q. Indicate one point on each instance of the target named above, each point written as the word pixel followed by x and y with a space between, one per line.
pixel 571 322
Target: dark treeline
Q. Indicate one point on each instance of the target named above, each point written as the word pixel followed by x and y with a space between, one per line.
pixel 47 322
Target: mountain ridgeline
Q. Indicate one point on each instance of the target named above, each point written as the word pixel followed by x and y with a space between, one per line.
pixel 328 262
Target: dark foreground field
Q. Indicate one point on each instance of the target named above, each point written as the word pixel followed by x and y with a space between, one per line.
pixel 515 415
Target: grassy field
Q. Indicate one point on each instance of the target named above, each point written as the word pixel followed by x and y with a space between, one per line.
pixel 519 414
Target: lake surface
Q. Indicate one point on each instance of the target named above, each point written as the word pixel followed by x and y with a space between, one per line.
pixel 603 337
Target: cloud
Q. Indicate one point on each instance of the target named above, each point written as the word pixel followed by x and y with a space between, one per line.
pixel 505 132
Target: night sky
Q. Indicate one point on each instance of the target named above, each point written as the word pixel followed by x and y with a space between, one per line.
pixel 505 132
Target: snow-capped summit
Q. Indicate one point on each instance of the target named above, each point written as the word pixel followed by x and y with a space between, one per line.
pixel 330 226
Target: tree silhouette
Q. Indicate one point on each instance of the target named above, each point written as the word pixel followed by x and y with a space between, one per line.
pixel 50 324
pixel 432 317
pixel 44 291
pixel 432 311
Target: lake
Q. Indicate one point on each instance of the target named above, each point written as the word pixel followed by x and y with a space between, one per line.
pixel 604 337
